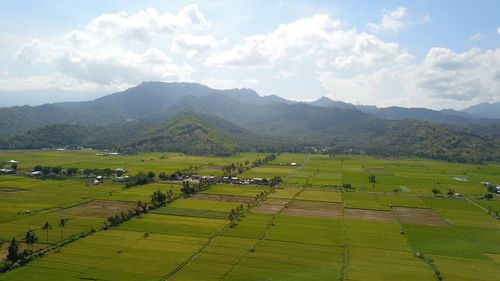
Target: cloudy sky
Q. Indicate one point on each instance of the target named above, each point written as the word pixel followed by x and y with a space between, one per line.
pixel 426 53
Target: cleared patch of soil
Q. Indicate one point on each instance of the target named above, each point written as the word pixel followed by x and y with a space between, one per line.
pixel 101 209
pixel 419 216
pixel 270 206
pixel 369 215
pixel 225 198
pixel 313 209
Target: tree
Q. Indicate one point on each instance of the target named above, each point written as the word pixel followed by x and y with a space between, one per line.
pixel 436 191
pixel 46 226
pixel 151 175
pixel 13 166
pixel 163 176
pixel 450 192
pixel 46 170
pixel 71 171
pixel 56 170
pixel 13 251
pixel 62 225
pixel 30 239
pixel 488 196
pixel 372 179
pixel 37 168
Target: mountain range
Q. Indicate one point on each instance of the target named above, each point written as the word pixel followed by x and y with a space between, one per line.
pixel 193 118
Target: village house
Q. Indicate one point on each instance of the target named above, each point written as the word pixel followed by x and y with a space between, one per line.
pixel 121 179
pixel 7 171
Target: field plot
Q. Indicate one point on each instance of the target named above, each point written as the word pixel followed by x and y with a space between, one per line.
pixel 461 212
pixel 286 193
pixel 224 198
pixel 216 260
pixel 99 209
pixel 319 171
pixel 175 225
pixel 369 215
pixel 199 208
pixel 253 225
pixel 314 195
pixel 235 190
pixel 270 206
pixel 443 241
pixel 308 230
pixel 461 269
pixel 401 201
pixel 104 257
pixel 138 193
pixel 268 171
pixel 313 209
pixel 278 260
pixel 419 216
pixel 288 158
pixel 356 200
pixel 377 251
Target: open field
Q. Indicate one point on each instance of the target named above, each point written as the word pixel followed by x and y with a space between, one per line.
pixel 303 231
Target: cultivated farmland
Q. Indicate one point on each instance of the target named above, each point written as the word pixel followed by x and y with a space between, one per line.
pixel 328 220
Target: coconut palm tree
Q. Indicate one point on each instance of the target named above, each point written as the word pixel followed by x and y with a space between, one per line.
pixel 30 239
pixel 46 226
pixel 62 225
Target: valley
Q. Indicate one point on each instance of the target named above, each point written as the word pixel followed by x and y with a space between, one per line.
pixel 337 217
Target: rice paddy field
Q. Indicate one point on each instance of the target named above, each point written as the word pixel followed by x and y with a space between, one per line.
pixel 309 228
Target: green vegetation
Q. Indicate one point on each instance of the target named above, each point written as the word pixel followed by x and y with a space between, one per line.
pixel 64 229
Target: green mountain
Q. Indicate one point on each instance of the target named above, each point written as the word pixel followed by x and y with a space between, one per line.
pixel 187 133
pixel 196 119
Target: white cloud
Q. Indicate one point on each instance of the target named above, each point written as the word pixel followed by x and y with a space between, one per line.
pixel 103 51
pixel 498 31
pixel 319 37
pixel 194 45
pixel 285 74
pixel 229 84
pixel 392 21
pixel 52 81
pixel 444 79
pixel 368 51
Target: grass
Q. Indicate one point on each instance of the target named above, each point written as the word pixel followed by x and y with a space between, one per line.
pixel 103 256
pixel 278 260
pixel 318 231
pixel 175 225
pixel 236 190
pixel 320 196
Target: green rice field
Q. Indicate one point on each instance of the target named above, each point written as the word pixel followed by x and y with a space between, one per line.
pixel 308 228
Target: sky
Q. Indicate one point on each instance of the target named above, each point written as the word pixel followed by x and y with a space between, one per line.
pixel 425 53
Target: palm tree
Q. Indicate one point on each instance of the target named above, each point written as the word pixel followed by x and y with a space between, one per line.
pixel 62 224
pixel 46 226
pixel 30 238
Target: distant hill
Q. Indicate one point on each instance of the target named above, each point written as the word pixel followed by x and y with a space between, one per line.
pixel 447 116
pixel 484 110
pixel 193 118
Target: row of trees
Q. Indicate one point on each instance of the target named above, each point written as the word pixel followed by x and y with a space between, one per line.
pixel 235 213
pixel 159 199
pixel 265 160
pixel 179 175
pixel 14 254
pixel 57 170
pixel 189 188
pixel 235 168
pixel 140 178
